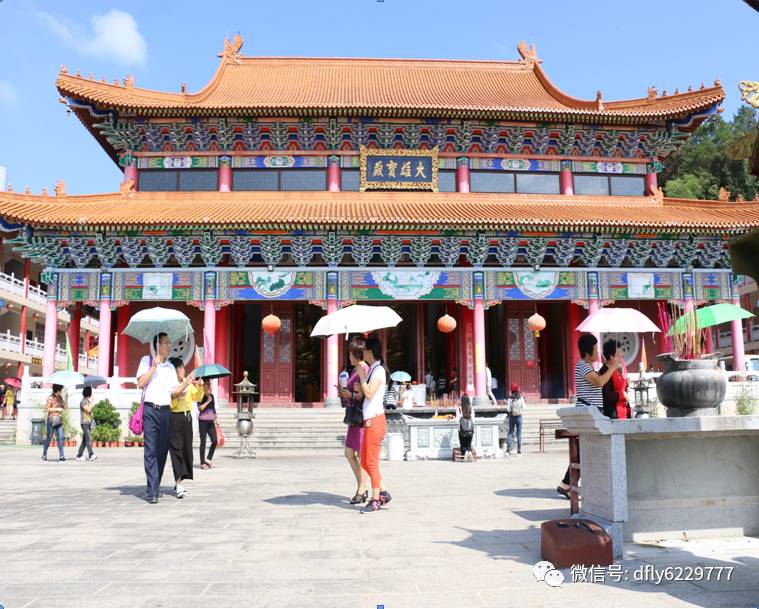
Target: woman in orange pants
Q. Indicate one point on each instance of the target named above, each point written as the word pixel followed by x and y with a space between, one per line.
pixel 373 383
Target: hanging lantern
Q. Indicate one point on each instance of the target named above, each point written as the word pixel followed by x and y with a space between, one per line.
pixel 446 324
pixel 271 324
pixel 536 323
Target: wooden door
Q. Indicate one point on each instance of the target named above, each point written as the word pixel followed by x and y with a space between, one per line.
pixel 522 361
pixel 277 358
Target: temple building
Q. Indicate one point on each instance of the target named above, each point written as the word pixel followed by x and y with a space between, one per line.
pixel 295 186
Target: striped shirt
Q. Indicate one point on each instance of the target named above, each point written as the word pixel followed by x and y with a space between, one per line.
pixel 587 394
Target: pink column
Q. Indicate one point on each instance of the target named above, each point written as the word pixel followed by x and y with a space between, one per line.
pixel 51 331
pixel 73 334
pixel 566 183
pixel 466 372
pixel 652 182
pixel 130 173
pixel 209 331
pixel 225 175
pixel 333 174
pixel 593 306
pixel 221 349
pixel 462 174
pixel 736 327
pixel 333 365
pixel 104 338
pixel 480 376
pixel 122 341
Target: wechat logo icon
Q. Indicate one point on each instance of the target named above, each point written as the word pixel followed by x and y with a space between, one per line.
pixel 544 571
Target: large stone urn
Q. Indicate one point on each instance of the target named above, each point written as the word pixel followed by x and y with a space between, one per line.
pixel 690 388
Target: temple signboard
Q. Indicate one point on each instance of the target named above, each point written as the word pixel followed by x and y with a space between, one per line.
pixel 392 169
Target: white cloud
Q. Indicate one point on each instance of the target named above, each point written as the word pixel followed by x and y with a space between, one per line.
pixel 115 35
pixel 8 94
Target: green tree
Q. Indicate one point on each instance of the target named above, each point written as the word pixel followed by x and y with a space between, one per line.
pixel 716 155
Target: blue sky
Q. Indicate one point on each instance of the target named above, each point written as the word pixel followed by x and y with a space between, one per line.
pixel 618 47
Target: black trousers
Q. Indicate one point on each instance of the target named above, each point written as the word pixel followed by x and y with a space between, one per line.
pixel 207 427
pixel 86 440
pixel 157 435
pixel 180 447
pixel 465 440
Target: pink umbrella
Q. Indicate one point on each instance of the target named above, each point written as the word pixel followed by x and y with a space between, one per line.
pixel 609 320
pixel 13 381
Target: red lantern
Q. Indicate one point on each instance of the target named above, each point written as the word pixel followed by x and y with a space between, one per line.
pixel 271 324
pixel 446 324
pixel 536 323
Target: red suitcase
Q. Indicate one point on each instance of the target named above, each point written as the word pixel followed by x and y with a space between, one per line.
pixel 574 541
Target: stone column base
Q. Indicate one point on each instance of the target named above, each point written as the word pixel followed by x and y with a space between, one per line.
pixel 480 401
pixel 332 403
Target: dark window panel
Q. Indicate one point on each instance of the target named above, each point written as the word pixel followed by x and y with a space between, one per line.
pixel 158 179
pixel 628 186
pixel 198 179
pixel 538 183
pixel 491 181
pixel 350 179
pixel 446 181
pixel 303 179
pixel 255 179
pixel 591 185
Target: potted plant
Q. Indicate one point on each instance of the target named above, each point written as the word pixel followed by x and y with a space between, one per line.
pixel 691 383
pixel 107 424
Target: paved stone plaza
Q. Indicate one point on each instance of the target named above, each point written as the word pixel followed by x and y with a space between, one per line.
pixel 278 531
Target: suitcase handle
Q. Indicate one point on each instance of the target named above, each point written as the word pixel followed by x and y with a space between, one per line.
pixel 579 524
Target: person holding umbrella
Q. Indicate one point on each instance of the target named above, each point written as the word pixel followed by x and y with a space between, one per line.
pixel 372 383
pixel 158 380
pixel 207 410
pixel 55 407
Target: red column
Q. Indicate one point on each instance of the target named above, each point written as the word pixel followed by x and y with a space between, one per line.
pixel 122 340
pixel 652 182
pixel 736 328
pixel 420 326
pixel 104 337
pixel 24 310
pixel 51 331
pixel 574 318
pixel 221 349
pixel 333 174
pixel 209 331
pixel 73 331
pixel 333 369
pixel 566 182
pixel 225 175
pixel 462 174
pixel 466 375
pixel 478 334
pixel 593 306
pixel 130 173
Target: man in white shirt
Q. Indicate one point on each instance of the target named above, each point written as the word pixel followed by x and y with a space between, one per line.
pixel 158 380
pixel 489 386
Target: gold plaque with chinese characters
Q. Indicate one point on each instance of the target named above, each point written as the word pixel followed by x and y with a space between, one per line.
pixel 390 169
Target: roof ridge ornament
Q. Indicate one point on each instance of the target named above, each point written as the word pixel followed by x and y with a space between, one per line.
pixel 658 195
pixel 231 52
pixel 651 94
pixel 60 188
pixel 126 188
pixel 599 100
pixel 750 92
pixel 529 53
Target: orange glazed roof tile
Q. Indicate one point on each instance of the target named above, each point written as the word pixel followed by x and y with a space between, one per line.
pixel 276 86
pixel 376 210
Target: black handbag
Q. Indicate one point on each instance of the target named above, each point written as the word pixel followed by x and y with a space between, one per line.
pixel 354 414
pixel 56 421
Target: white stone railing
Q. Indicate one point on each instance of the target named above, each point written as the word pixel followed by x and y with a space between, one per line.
pixel 12 284
pixel 33 395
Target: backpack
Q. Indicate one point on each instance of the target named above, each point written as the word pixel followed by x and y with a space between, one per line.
pixel 516 406
pixel 466 425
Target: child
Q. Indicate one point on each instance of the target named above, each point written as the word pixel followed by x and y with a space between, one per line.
pixel 466 428
pixel 515 408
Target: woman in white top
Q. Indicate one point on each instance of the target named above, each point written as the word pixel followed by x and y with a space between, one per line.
pixel 373 384
pixel 407 397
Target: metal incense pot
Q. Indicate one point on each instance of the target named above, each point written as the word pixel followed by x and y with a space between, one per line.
pixel 245 391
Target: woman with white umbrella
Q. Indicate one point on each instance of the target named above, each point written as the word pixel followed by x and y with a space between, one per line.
pixel 372 384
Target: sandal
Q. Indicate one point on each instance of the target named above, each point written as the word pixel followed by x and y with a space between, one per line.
pixel 360 498
pixel 561 491
pixel 205 466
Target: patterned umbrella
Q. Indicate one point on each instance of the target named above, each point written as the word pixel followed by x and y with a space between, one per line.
pixel 144 325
